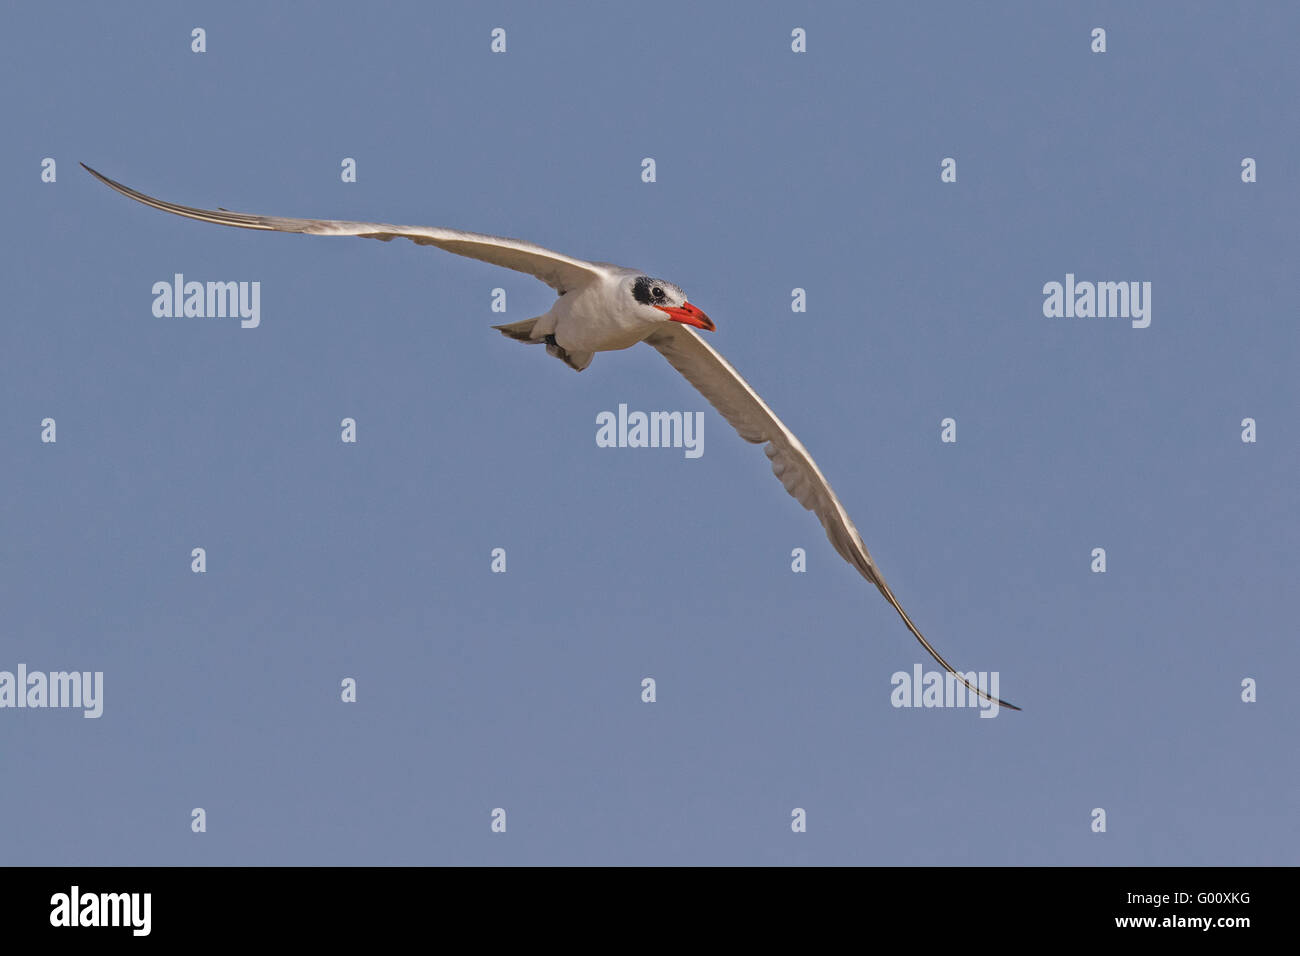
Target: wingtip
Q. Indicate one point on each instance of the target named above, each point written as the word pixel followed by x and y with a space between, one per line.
pixel 916 632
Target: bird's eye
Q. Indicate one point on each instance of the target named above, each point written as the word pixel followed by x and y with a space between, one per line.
pixel 658 292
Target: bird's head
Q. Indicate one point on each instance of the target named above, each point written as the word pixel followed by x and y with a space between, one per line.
pixel 661 301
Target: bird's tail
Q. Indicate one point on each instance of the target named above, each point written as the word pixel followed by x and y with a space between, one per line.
pixel 520 331
pixel 528 333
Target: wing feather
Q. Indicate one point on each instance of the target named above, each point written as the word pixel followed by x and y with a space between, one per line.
pixel 562 273
pixel 737 402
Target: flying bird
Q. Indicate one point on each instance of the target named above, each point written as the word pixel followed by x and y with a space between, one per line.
pixel 603 307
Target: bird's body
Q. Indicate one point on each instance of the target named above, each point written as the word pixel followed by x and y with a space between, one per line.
pixel 600 308
pixel 591 318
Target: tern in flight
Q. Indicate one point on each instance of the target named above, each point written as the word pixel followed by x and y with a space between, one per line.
pixel 603 307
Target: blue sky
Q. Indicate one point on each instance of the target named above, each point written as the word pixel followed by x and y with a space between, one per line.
pixel 775 170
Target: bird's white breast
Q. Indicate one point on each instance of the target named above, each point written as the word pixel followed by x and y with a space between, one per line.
pixel 599 317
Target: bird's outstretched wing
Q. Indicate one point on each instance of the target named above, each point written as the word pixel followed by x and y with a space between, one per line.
pixel 740 405
pixel 562 273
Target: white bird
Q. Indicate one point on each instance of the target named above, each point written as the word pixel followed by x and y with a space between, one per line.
pixel 603 307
